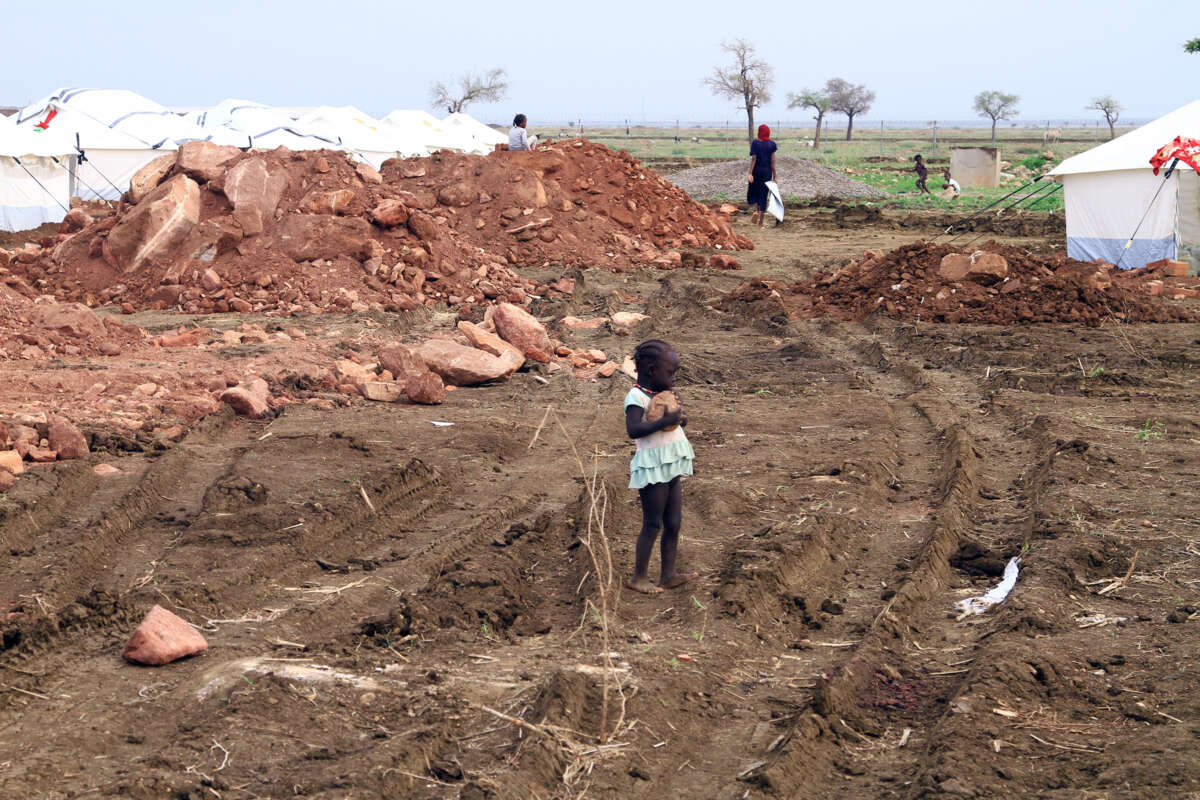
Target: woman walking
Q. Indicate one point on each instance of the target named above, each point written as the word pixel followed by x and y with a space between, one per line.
pixel 762 169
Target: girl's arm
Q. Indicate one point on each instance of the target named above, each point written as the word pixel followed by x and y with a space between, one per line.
pixel 637 426
pixel 753 161
pixel 772 165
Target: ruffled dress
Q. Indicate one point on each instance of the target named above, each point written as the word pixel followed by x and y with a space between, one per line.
pixel 663 455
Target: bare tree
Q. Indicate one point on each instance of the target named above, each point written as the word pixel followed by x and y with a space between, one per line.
pixel 748 80
pixel 1110 108
pixel 488 88
pixel 817 101
pixel 997 106
pixel 849 99
pixel 1191 46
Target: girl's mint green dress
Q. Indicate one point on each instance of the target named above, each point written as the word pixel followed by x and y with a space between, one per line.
pixel 663 455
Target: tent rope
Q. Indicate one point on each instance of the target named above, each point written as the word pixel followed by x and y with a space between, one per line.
pixel 90 188
pixel 39 183
pixel 1036 189
pixel 1153 200
pixel 1053 187
pixel 967 219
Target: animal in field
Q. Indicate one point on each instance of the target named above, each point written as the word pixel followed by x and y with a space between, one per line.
pixel 1050 136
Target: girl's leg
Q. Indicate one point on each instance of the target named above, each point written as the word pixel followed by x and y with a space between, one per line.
pixel 654 504
pixel 669 546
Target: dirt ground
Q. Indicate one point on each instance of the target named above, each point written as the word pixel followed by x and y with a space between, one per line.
pixel 402 609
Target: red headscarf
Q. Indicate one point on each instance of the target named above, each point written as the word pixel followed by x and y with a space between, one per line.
pixel 764 132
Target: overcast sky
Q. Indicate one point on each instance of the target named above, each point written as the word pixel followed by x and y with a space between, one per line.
pixel 610 59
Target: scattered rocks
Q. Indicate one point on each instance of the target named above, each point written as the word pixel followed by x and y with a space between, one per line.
pixel 162 638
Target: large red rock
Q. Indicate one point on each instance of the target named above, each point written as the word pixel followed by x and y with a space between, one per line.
pixel 488 342
pixel 464 366
pixel 147 179
pixel 368 173
pixel 255 192
pixel 162 638
pixel 249 398
pixel 66 439
pixel 981 268
pixel 72 319
pixel 205 161
pixel 390 213
pixel 425 388
pixel 153 229
pixel 400 359
pixel 304 237
pixel 423 226
pixel 518 327
pixel 331 202
pixel 348 372
pixel 12 462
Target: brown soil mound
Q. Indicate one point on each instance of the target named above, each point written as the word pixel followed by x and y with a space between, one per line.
pixel 907 283
pixel 286 231
pixel 35 329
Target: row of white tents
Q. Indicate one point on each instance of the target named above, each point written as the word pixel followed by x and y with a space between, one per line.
pixel 88 143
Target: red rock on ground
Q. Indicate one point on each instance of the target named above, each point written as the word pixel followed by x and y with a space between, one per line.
pixel 76 220
pixel 7 480
pixel 153 229
pixel 390 213
pixel 250 399
pixel 577 324
pixel 425 388
pixel 105 470
pixel 463 366
pixel 518 327
pixel 162 638
pixel 400 359
pixel 12 462
pixel 488 342
pixel 722 261
pixel 66 439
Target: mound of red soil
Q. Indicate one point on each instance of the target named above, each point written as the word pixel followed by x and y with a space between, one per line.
pixel 39 328
pixel 217 229
pixel 919 282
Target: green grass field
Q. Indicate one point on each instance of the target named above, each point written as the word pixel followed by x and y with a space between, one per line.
pixel 881 158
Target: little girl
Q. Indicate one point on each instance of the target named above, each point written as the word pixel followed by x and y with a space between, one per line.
pixel 662 457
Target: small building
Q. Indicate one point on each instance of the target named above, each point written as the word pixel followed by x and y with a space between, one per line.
pixel 975 166
pixel 1110 192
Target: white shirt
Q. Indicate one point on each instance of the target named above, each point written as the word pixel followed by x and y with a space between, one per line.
pixel 953 184
pixel 518 139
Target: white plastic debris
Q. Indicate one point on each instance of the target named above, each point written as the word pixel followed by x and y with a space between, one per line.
pixel 440 424
pixel 997 594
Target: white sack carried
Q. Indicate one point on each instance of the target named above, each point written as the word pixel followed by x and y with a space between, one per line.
pixel 774 201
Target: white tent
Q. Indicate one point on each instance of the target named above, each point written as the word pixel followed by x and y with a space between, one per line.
pixel 359 134
pixel 116 137
pixel 484 137
pixel 260 126
pixel 34 187
pixel 1109 188
pixel 427 130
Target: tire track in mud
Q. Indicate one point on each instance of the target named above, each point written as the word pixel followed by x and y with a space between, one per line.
pixel 88 540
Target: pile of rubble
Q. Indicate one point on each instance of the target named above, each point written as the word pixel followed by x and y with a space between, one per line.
pixel 213 229
pixel 995 284
pixel 36 439
pixel 34 328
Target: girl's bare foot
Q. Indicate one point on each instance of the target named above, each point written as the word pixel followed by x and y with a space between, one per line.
pixel 677 580
pixel 642 585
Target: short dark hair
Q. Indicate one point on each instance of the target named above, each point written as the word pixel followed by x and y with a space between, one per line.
pixel 917 157
pixel 518 119
pixel 648 353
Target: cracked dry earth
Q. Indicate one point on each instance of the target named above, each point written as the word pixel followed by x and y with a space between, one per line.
pixel 397 609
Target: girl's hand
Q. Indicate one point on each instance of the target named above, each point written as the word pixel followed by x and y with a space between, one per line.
pixel 671 418
pixel 749 177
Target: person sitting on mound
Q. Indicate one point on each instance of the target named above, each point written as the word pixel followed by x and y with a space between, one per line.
pixel 518 137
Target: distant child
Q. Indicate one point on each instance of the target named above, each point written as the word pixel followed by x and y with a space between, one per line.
pixel 663 456
pixel 951 184
pixel 518 137
pixel 922 174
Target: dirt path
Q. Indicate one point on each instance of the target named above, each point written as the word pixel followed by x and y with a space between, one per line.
pixel 399 609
